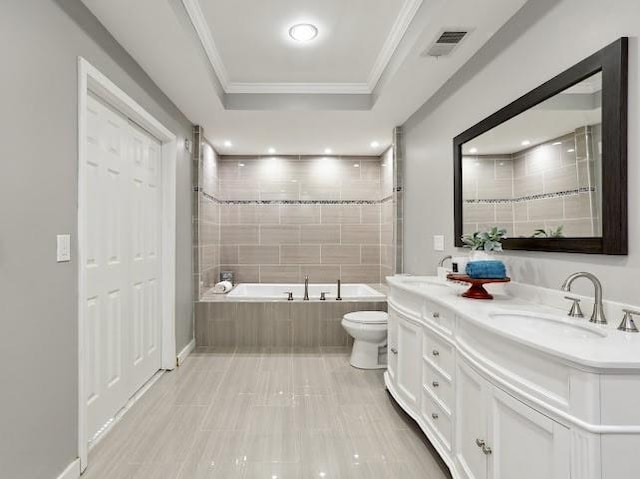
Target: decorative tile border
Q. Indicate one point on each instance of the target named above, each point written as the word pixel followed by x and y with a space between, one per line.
pixel 542 196
pixel 294 202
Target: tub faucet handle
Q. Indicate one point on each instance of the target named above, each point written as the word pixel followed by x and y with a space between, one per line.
pixel 323 295
pixel 289 295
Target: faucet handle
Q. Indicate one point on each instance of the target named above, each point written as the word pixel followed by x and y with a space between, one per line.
pixel 289 295
pixel 323 295
pixel 575 311
pixel 627 324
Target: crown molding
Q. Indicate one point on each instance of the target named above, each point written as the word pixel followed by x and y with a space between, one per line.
pixel 204 34
pixel 299 88
pixel 398 29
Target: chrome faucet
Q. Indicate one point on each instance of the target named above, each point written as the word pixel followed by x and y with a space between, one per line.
pixel 306 288
pixel 597 316
pixel 441 263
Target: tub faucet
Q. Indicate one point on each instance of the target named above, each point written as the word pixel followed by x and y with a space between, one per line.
pixel 306 288
pixel 597 316
pixel 338 297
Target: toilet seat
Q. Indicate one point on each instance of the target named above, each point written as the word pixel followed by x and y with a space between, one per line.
pixel 367 317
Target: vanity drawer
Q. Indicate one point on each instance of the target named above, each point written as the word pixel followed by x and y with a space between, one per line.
pixel 437 418
pixel 438 315
pixel 438 385
pixel 438 352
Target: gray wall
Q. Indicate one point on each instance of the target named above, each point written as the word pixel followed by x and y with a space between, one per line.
pixel 40 41
pixel 543 39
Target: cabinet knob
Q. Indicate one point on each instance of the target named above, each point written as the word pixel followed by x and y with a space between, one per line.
pixel 436 314
pixel 435 384
pixel 434 415
pixel 435 352
pixel 486 449
pixel 394 350
pixel 480 442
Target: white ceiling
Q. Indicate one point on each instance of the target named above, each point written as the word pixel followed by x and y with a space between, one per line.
pixel 256 48
pixel 383 38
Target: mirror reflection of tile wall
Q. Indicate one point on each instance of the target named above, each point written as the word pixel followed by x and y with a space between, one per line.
pixel 544 187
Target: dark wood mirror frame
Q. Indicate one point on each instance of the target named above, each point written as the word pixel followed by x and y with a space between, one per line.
pixel 612 62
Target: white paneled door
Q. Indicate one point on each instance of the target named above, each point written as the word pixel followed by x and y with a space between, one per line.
pixel 122 242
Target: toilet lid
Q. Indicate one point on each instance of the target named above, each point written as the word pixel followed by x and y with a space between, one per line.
pixel 367 317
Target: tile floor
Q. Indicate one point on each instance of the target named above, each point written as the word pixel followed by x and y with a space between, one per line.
pixel 273 414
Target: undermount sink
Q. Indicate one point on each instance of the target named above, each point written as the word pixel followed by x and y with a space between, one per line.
pixel 529 325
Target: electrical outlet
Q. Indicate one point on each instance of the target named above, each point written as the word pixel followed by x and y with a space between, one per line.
pixel 438 243
pixel 63 248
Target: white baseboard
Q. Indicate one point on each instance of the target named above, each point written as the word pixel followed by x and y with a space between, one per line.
pixel 72 471
pixel 182 355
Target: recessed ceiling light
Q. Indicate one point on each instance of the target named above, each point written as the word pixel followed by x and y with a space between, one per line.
pixel 327 151
pixel 356 165
pixel 526 143
pixel 473 150
pixel 228 144
pixel 271 151
pixel 375 144
pixel 571 150
pixel 557 143
pixel 303 32
pixel 240 164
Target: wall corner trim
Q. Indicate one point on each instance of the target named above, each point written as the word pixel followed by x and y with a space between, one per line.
pixel 72 471
pixel 186 351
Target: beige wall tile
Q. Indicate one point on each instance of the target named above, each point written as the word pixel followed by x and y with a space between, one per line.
pixel 279 234
pixel 520 211
pixel 299 254
pixel 476 213
pixel 258 214
pixel 360 273
pixel 370 169
pixel 251 254
pixel 574 228
pixel 528 185
pixel 300 214
pixel 495 189
pixel 340 214
pixel 360 234
pixel 239 190
pixel 547 209
pixel 360 189
pixel 370 254
pixel 504 212
pixel 341 254
pixel 527 228
pixel 229 254
pixel 279 190
pixel 320 234
pixel 320 274
pixel 370 214
pixel 577 206
pixel 560 179
pixel 279 274
pixel 239 234
pixel 311 191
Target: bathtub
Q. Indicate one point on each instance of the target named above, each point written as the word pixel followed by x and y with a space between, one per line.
pixel 270 292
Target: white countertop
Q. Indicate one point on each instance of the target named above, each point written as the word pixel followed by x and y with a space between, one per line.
pixel 600 347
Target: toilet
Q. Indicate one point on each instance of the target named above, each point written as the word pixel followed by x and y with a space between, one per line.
pixel 369 331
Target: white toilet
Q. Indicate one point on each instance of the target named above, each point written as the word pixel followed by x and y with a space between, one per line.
pixel 369 331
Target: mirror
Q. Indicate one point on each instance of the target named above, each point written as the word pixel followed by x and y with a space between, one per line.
pixel 539 174
pixel 549 167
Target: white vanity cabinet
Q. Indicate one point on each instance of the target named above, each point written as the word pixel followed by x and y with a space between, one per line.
pixel 499 437
pixel 496 407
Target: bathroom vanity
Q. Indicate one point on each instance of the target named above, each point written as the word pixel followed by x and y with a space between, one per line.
pixel 514 389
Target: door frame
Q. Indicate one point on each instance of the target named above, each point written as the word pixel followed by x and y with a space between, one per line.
pixel 90 79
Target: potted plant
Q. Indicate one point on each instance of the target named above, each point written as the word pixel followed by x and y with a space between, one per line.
pixel 485 244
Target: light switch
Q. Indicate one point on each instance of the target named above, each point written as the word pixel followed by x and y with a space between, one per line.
pixel 63 248
pixel 438 243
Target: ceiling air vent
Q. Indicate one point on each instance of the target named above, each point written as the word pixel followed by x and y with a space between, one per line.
pixel 447 41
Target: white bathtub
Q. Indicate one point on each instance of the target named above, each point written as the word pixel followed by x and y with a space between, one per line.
pixel 269 291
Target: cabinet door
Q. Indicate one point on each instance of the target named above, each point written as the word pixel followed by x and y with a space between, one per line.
pixel 392 344
pixel 525 443
pixel 409 372
pixel 471 422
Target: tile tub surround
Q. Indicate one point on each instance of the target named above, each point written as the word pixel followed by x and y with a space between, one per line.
pixel 276 323
pixel 249 413
pixel 283 218
pixel 542 187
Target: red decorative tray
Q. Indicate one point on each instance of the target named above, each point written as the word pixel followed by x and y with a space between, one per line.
pixel 476 291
